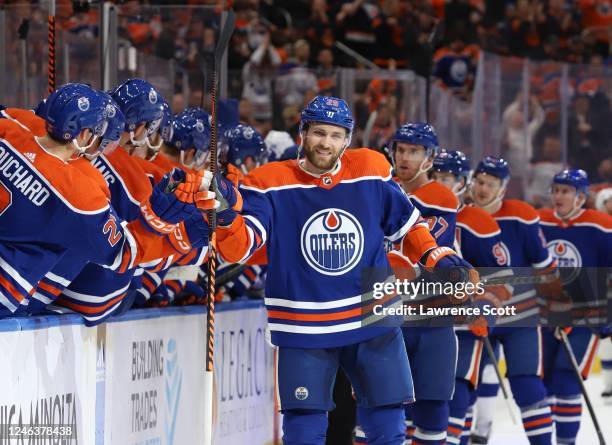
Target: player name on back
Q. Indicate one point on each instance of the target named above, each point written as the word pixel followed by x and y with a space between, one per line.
pixel 20 174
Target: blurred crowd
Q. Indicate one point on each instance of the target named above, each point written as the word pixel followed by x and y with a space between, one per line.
pixel 282 53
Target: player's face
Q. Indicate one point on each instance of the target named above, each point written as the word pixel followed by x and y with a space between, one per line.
pixel 139 150
pixel 447 179
pixel 250 163
pixel 485 188
pixel 323 145
pixel 408 160
pixel 563 197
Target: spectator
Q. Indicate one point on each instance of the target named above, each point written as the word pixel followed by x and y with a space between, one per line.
pixel 299 81
pixel 355 22
pixel 520 130
pixel 589 133
pixel 455 65
pixel 603 201
pixel 238 51
pixel 257 77
pixel 326 73
pixel 541 172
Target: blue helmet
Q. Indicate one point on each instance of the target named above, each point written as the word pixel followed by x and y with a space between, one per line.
pixel 116 126
pixel 574 177
pixel 191 129
pixel 241 142
pixel 493 166
pixel 328 110
pixel 72 108
pixel 452 161
pixel 417 133
pixel 166 127
pixel 140 103
pixel 40 108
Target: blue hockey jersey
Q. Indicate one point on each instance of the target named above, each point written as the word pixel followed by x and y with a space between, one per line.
pixel 322 234
pixel 582 248
pixel 524 247
pixel 50 209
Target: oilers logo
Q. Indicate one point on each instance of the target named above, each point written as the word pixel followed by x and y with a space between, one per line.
pixel 332 241
pixel 568 259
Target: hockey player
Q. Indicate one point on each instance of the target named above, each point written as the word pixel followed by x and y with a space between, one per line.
pixel 523 245
pixel 432 351
pixel 241 150
pixel 96 292
pixel 478 241
pixel 188 148
pixel 39 184
pixel 581 241
pixel 332 208
pixel 603 203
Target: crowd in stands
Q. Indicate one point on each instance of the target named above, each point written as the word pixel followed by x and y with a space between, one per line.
pixel 282 53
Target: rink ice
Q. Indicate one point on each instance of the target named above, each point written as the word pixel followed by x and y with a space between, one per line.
pixel 506 433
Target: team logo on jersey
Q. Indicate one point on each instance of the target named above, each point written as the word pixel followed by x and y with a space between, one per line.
pixel 83 103
pixel 301 393
pixel 502 254
pixel 568 259
pixel 152 96
pixel 332 241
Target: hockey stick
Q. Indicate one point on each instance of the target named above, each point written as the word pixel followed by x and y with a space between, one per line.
pixel 502 385
pixel 436 35
pixel 51 38
pixel 23 43
pixel 233 272
pixel 572 358
pixel 224 37
pixel 514 280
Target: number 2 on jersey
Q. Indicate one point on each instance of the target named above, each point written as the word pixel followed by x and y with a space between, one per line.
pixel 110 228
pixel 6 199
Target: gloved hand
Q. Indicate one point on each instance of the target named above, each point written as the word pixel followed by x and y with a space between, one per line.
pixel 479 327
pixel 450 267
pixel 229 197
pixel 552 287
pixel 167 205
pixel 161 297
pixel 190 234
pixel 191 293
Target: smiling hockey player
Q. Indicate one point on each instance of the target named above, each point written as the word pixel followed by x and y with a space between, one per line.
pixel 323 219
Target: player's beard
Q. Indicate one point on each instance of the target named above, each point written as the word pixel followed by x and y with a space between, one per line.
pixel 324 163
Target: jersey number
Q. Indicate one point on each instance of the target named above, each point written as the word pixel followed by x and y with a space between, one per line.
pixel 111 228
pixel 432 221
pixel 6 199
pixel 500 254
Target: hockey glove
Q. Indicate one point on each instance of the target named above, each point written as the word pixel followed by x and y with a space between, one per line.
pixel 230 198
pixel 165 207
pixel 190 234
pixel 450 267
